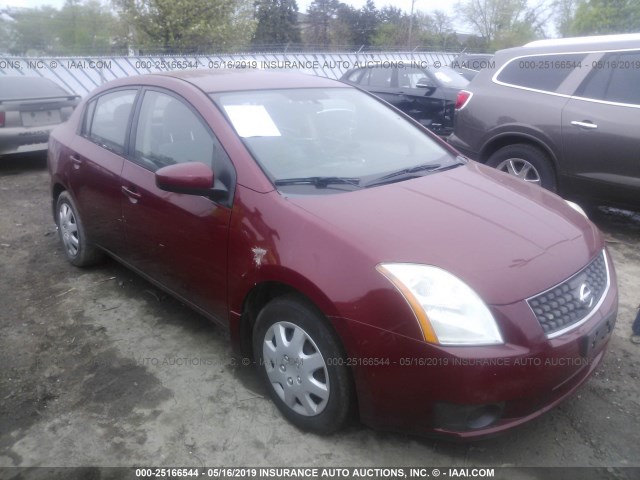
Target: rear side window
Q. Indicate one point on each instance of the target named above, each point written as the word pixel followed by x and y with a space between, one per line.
pixel 624 86
pixel 378 77
pixel 110 122
pixel 540 72
pixel 354 76
pixel 614 78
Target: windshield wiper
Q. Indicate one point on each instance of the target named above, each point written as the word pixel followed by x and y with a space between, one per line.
pixel 404 173
pixel 319 182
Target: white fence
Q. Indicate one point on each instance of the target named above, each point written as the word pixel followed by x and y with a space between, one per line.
pixel 80 75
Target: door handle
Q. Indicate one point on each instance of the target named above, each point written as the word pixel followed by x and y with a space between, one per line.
pixel 587 125
pixel 134 196
pixel 76 161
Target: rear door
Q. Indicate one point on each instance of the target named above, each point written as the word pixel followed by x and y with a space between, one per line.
pixel 178 240
pixel 95 162
pixel 601 140
pixel 379 81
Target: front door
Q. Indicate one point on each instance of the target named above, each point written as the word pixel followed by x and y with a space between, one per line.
pixel 178 240
pixel 601 137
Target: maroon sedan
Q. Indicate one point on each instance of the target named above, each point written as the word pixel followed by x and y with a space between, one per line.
pixel 359 261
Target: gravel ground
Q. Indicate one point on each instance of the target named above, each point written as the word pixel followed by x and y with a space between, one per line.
pixel 100 368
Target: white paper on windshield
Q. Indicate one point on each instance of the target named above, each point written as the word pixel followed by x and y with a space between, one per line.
pixel 252 121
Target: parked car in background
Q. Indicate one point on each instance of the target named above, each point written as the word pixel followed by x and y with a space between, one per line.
pixel 563 114
pixel 427 95
pixel 469 64
pixel 361 262
pixel 29 109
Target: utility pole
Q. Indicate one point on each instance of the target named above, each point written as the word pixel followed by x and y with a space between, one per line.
pixel 413 2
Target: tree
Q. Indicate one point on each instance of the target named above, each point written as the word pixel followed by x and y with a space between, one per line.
pixel 277 22
pixel 349 26
pixel 442 23
pixel 6 31
pixel 599 17
pixel 392 27
pixel 366 22
pixel 504 23
pixel 189 25
pixel 320 13
pixel 34 30
pixel 565 11
pixel 89 27
pixel 342 26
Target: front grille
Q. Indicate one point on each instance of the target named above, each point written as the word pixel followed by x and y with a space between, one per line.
pixel 572 301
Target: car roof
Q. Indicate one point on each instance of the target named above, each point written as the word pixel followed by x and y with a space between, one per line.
pixel 227 80
pixel 483 55
pixel 597 43
pixel 592 41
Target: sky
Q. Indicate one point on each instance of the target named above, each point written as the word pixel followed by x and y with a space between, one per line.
pixel 31 3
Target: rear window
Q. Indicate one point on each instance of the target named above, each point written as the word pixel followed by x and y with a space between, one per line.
pixel 18 88
pixel 540 72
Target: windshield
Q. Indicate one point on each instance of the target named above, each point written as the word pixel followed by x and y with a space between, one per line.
pixel 336 138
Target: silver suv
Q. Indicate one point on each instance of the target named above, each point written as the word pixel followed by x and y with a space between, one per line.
pixel 564 114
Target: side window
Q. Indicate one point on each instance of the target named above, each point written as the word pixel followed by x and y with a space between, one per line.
pixel 540 72
pixel 380 77
pixel 614 78
pixel 595 85
pixel 88 117
pixel 409 78
pixel 111 118
pixel 355 76
pixel 625 79
pixel 169 132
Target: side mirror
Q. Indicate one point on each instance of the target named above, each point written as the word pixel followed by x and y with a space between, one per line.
pixel 190 178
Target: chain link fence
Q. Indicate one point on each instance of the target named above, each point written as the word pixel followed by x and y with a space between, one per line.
pixel 82 74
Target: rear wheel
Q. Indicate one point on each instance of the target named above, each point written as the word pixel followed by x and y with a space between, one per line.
pixel 302 366
pixel 525 162
pixel 74 240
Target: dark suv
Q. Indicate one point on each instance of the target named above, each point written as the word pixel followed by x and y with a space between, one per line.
pixel 428 95
pixel 564 114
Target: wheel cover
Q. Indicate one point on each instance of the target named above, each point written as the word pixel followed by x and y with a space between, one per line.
pixel 296 369
pixel 69 230
pixel 520 168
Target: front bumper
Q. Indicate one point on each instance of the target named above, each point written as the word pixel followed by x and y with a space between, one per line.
pixel 473 392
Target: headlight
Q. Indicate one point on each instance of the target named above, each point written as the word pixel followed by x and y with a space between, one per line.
pixel 448 311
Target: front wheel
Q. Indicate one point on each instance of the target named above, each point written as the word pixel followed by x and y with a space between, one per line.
pixel 301 363
pixel 526 162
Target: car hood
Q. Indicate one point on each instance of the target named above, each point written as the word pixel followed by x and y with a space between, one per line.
pixel 506 239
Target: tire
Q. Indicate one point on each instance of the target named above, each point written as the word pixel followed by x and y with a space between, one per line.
pixel 76 248
pixel 299 359
pixel 526 162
